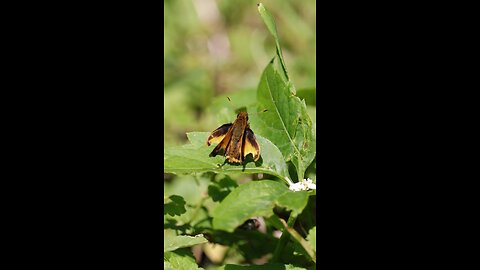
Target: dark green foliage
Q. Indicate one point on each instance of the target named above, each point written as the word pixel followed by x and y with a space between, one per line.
pixel 219 190
pixel 176 206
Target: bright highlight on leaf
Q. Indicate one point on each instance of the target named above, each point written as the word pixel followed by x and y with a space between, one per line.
pixel 180 241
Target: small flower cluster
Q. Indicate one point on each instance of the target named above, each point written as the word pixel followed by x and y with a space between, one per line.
pixel 305 184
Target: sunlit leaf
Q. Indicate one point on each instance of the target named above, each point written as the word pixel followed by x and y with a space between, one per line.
pixel 295 201
pixel 171 243
pixel 286 122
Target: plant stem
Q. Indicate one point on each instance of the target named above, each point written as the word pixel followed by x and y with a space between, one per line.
pixel 301 241
pixel 283 239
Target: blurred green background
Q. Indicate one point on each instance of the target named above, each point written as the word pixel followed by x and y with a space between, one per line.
pixel 217 47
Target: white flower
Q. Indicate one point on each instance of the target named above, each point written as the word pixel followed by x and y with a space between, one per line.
pixel 305 184
pixel 310 184
pixel 297 186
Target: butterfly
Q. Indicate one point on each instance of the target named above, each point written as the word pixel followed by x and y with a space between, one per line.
pixel 235 141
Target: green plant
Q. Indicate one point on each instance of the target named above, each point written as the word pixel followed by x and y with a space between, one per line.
pixel 286 135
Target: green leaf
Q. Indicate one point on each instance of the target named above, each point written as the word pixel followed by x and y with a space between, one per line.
pixel 171 243
pixel 295 201
pixel 194 158
pixel 286 122
pixel 312 238
pixel 270 23
pixel 312 112
pixel 180 259
pixel 268 266
pixel 305 142
pixel 255 198
pixel 175 206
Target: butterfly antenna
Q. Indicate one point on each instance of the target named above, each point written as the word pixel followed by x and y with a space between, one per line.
pixel 243 108
pixel 231 104
pixel 238 109
pixel 257 113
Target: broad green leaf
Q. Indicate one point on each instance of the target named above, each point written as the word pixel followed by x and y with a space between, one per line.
pixel 312 238
pixel 295 201
pixel 175 206
pixel 268 266
pixel 194 158
pixel 179 259
pixel 256 198
pixel 171 243
pixel 286 122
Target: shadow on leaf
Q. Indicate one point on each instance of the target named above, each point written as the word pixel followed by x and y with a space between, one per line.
pixel 172 224
pixel 175 207
pixel 219 190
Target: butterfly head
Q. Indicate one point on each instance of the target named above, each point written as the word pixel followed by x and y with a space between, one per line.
pixel 242 115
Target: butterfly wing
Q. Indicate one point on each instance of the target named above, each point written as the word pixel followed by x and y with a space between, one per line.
pixel 218 134
pixel 250 145
pixel 221 135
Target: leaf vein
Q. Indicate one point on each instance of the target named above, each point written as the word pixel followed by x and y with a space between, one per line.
pixel 281 119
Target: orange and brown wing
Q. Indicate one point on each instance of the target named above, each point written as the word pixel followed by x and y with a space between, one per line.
pixel 250 145
pixel 218 134
pixel 221 135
